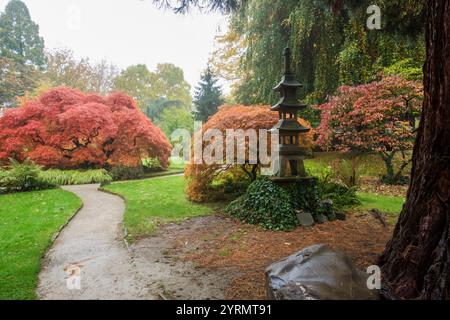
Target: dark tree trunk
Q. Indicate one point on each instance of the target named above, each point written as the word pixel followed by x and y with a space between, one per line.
pixel 416 262
pixel 387 158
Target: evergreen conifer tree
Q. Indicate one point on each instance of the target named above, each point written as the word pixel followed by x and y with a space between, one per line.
pixel 208 96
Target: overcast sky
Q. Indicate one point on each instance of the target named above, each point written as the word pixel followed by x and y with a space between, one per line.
pixel 127 32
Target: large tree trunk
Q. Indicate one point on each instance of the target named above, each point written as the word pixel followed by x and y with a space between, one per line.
pixel 416 262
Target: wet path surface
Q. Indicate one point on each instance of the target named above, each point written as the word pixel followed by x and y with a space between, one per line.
pixel 89 259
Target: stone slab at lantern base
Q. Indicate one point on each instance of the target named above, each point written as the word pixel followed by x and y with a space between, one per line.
pixel 317 273
pixel 305 218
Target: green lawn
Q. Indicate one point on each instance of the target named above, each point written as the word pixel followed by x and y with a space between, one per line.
pixel 154 201
pixel 371 165
pixel 383 203
pixel 27 223
pixel 160 200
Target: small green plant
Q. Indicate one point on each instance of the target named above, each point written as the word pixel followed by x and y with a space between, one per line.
pixel 341 195
pixel 151 165
pixel 24 176
pixel 231 182
pixel 224 252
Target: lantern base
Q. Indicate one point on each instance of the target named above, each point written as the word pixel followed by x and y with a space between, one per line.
pixel 291 166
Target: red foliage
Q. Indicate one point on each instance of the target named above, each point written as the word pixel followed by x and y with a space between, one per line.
pixel 375 117
pixel 65 128
pixel 201 176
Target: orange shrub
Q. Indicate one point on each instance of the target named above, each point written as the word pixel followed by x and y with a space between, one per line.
pixel 201 176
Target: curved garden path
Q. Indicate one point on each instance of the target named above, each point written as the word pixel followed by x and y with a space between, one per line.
pixel 92 243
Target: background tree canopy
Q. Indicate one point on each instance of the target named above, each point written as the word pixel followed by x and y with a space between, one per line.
pixel 330 42
pixel 21 52
pixel 152 90
pixel 19 36
pixel 64 69
pixel 163 95
pixel 208 96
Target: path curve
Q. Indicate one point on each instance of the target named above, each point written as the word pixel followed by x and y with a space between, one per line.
pixel 92 244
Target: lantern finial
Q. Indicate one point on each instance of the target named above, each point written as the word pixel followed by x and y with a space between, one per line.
pixel 287 61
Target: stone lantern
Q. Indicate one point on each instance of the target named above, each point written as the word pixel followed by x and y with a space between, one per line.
pixel 291 154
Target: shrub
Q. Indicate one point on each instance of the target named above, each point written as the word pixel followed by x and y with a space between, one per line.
pixel 408 68
pixel 348 171
pixel 342 196
pixel 379 117
pixel 265 204
pixel 151 165
pixel 231 181
pixel 70 177
pixel 126 173
pixel 24 176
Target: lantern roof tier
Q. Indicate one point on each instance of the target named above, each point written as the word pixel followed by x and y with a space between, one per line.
pixel 289 125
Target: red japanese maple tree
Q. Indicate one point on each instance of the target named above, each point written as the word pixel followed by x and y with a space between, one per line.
pixel 234 117
pixel 378 117
pixel 65 128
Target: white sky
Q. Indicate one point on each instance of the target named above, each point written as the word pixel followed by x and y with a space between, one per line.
pixel 127 32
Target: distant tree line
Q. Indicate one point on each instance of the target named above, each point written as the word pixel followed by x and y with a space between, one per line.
pixel 28 69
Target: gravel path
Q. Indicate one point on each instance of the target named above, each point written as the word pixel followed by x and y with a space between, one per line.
pixel 92 245
pixel 91 249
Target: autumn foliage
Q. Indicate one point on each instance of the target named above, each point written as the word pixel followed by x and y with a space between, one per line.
pixel 201 176
pixel 64 128
pixel 378 117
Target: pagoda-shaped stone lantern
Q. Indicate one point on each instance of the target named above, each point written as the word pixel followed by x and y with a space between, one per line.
pixel 291 154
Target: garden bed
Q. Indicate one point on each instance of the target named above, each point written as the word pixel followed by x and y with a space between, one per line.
pixel 220 243
pixel 207 244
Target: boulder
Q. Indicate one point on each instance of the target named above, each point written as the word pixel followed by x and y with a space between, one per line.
pixel 340 216
pixel 327 205
pixel 305 218
pixel 321 218
pixel 317 273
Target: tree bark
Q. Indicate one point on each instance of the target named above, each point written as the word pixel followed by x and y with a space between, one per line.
pixel 416 262
pixel 387 158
